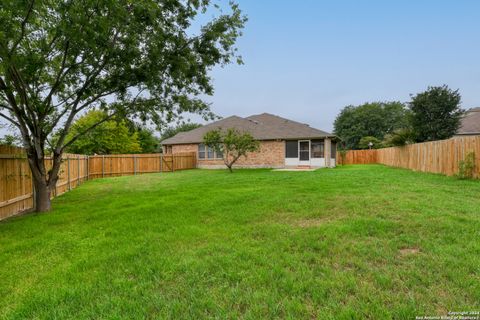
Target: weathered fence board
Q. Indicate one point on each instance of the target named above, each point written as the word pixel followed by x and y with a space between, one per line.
pixel 442 156
pixel 16 188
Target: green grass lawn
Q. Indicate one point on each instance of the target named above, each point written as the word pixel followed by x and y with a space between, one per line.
pixel 354 242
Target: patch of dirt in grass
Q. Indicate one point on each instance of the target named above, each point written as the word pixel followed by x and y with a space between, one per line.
pixel 309 223
pixel 409 251
pixel 292 220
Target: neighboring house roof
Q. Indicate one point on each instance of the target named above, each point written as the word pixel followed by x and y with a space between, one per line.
pixel 470 124
pixel 263 126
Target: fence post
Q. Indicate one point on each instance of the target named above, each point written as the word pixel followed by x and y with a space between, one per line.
pixel 161 162
pixel 78 171
pixel 134 164
pixel 173 162
pixel 88 167
pixel 103 166
pixel 68 174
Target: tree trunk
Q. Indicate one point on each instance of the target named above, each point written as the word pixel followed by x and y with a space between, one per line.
pixel 44 182
pixel 229 166
pixel 42 196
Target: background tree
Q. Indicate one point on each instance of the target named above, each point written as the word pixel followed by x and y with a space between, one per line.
pixel 436 113
pixel 149 143
pixel 110 137
pixel 147 140
pixel 374 119
pixel 232 144
pixel 10 140
pixel 145 60
pixel 364 143
pixel 173 130
pixel 399 137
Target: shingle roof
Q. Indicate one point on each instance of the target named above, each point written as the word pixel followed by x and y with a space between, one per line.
pixel 470 122
pixel 263 126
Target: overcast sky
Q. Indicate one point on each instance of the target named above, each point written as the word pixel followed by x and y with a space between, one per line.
pixel 307 59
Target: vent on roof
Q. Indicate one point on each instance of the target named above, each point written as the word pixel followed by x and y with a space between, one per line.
pixel 254 121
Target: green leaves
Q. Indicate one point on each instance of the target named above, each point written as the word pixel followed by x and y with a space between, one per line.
pixel 436 113
pixel 375 119
pixel 110 137
pixel 370 142
pixel 432 115
pixel 78 55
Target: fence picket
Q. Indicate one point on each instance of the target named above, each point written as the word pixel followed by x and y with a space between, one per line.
pixel 17 191
pixel 442 156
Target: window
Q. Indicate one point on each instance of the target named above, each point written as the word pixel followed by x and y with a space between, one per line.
pixel 205 152
pixel 210 153
pixel 201 151
pixel 318 149
pixel 219 154
pixel 291 149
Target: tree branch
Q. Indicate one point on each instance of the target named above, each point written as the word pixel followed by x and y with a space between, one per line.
pixel 60 141
pixel 60 74
pixel 23 27
pixel 10 120
pixel 6 107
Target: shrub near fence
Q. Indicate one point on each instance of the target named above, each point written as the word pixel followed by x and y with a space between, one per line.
pixel 442 156
pixel 16 188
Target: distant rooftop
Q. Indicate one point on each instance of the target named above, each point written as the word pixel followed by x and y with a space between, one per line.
pixel 263 126
pixel 470 122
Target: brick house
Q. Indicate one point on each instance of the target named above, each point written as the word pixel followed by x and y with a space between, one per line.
pixel 283 143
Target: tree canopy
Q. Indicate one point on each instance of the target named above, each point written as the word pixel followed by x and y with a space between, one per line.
pixel 110 137
pixel 436 113
pixel 149 143
pixel 374 119
pixel 148 60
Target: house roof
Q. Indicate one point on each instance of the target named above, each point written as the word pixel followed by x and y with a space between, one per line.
pixel 263 126
pixel 470 122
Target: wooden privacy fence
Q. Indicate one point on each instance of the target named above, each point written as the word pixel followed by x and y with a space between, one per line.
pixel 16 188
pixel 131 164
pixel 442 156
pixel 358 157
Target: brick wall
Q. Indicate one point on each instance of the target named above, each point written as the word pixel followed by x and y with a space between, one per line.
pixel 185 148
pixel 270 155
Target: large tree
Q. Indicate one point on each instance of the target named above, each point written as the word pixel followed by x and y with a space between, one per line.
pixel 374 119
pixel 143 59
pixel 436 113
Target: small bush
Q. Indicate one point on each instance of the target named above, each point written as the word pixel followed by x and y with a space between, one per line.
pixel 466 167
pixel 365 141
